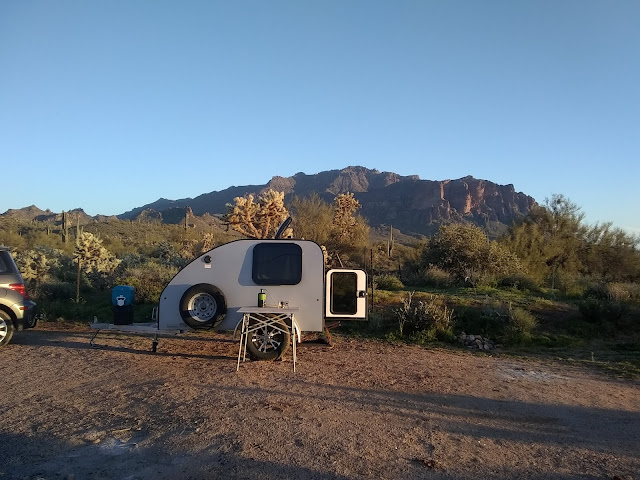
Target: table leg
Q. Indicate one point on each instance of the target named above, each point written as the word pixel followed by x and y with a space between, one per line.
pixel 243 343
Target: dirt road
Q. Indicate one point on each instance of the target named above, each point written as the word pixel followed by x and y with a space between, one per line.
pixel 361 409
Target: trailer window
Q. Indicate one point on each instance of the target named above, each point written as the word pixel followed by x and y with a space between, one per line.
pixel 277 264
pixel 344 293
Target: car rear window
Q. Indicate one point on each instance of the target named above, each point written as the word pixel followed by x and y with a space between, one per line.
pixel 6 263
pixel 4 268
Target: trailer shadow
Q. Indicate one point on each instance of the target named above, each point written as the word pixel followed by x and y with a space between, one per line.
pixel 44 456
pixel 474 416
pixel 82 341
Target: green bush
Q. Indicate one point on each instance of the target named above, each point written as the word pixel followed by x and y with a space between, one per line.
pixel 520 326
pixel 388 282
pixel 597 310
pixel 597 291
pixel 476 320
pixel 572 285
pixel 497 319
pixel 520 282
pixel 149 279
pixel 55 290
pixel 437 277
pixel 522 320
pixel 624 291
pixel 465 251
pixel 429 315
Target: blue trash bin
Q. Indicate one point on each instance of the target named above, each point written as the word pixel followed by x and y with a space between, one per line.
pixel 122 301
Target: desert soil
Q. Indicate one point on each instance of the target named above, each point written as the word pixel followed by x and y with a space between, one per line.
pixel 358 410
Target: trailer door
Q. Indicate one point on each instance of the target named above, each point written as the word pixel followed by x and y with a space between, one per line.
pixel 346 294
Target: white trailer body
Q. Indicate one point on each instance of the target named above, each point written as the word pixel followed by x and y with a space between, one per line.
pixel 209 291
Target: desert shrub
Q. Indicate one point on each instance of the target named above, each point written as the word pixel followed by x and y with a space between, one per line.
pixel 597 291
pixel 149 279
pixel 437 277
pixel 475 320
pixel 389 282
pixel 431 314
pixel 624 291
pixel 572 285
pixel 520 326
pixel 468 255
pixel 384 297
pixel 520 282
pixel 56 290
pixel 598 310
pixel 497 319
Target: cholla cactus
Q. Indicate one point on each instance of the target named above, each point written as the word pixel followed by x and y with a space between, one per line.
pixel 208 242
pixel 345 207
pixel 92 256
pixel 258 219
pixel 34 265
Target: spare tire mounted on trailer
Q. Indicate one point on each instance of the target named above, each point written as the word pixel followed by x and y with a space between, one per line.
pixel 202 305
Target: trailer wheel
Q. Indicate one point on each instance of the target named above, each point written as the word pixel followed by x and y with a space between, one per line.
pixel 202 305
pixel 269 343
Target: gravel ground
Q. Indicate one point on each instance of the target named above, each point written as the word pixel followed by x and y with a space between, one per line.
pixel 358 410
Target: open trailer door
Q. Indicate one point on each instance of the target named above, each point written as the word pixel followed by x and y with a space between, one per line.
pixel 346 294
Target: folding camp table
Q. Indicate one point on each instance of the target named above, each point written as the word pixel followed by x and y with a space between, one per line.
pixel 255 318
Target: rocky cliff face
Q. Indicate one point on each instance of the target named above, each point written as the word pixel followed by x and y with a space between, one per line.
pixel 408 203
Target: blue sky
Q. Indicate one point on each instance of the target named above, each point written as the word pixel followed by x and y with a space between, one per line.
pixel 108 104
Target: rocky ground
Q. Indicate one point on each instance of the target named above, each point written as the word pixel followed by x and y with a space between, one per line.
pixel 359 410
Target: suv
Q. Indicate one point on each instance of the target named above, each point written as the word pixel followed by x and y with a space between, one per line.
pixel 17 312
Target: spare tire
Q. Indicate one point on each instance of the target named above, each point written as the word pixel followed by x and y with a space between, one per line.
pixel 202 305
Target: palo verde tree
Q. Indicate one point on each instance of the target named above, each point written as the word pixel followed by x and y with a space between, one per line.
pixel 610 254
pixel 465 251
pixel 550 239
pixel 313 218
pixel 257 219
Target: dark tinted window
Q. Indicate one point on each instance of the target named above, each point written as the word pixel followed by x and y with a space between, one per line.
pixel 4 265
pixel 343 293
pixel 277 264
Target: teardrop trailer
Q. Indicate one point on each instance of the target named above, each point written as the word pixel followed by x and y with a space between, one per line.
pixel 222 288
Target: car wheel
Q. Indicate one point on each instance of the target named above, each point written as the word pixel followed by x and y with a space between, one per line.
pixel 6 328
pixel 202 305
pixel 269 343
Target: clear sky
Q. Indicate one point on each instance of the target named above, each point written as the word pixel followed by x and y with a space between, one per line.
pixel 111 104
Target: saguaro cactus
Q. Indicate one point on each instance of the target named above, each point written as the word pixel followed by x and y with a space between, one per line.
pixel 65 227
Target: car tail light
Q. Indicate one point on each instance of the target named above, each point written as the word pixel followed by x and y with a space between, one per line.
pixel 20 288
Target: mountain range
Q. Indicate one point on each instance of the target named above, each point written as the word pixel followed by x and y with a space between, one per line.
pixel 408 203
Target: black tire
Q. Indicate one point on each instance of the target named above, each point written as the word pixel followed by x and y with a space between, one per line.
pixel 6 328
pixel 269 343
pixel 203 305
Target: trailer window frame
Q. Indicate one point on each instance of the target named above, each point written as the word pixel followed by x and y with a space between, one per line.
pixel 277 263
